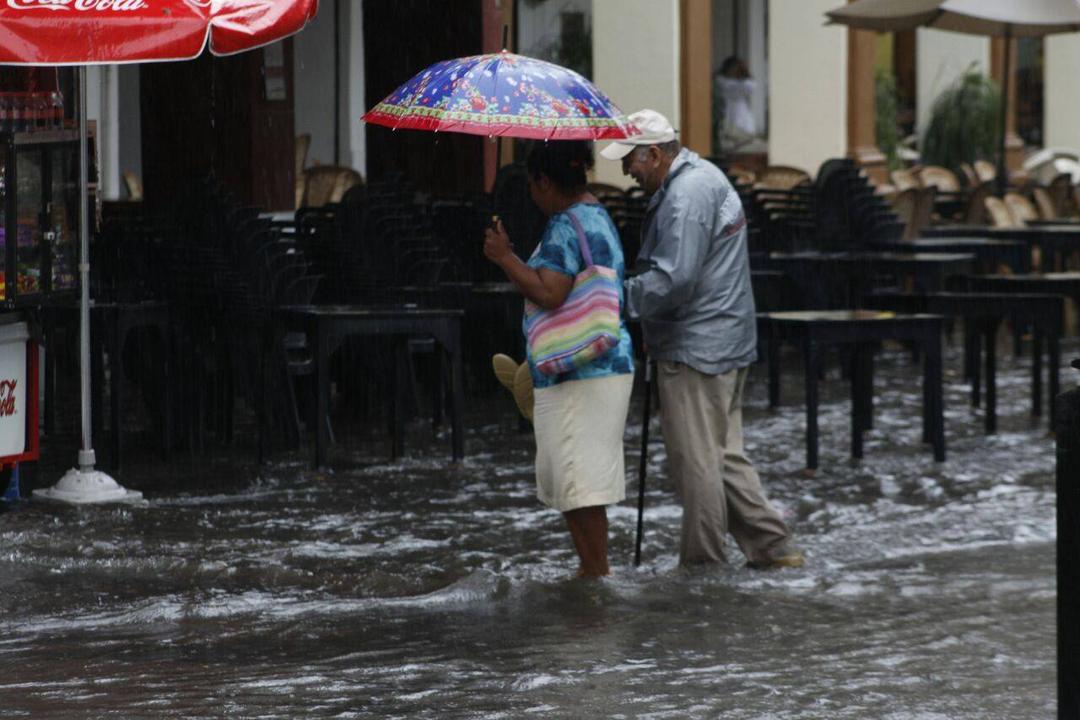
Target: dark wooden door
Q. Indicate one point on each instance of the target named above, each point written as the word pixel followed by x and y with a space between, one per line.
pixel 220 117
pixel 401 38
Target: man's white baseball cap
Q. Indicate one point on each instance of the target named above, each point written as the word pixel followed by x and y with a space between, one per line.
pixel 655 130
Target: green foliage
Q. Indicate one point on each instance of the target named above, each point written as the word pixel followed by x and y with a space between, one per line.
pixel 886 131
pixel 963 122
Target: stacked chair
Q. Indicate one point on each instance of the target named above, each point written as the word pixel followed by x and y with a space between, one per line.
pixel 839 210
pixel 627 211
pixel 231 270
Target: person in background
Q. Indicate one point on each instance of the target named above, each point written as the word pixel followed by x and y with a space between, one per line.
pixel 735 88
pixel 578 416
pixel 692 294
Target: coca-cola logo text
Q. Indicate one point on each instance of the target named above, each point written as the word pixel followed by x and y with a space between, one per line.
pixel 79 5
pixel 7 398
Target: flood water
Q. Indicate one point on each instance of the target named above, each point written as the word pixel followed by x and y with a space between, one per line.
pixel 410 590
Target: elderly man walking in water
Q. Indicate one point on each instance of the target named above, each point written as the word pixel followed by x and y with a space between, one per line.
pixel 693 297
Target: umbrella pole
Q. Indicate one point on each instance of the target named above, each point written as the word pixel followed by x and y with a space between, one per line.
pixel 643 462
pixel 1002 172
pixel 86 449
pixel 84 485
pixel 498 139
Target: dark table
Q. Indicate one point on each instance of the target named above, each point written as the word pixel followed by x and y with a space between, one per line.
pixel 862 329
pixel 983 313
pixel 1066 222
pixel 1056 241
pixel 493 312
pixel 819 273
pixel 328 325
pixel 773 290
pixel 989 253
pixel 1061 283
pixel 110 325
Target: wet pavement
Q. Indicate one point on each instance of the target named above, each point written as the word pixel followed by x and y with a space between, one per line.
pixel 414 590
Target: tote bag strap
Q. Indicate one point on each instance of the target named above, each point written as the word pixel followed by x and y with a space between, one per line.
pixel 582 242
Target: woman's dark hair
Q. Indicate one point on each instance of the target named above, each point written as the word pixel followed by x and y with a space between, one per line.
pixel 729 62
pixel 564 162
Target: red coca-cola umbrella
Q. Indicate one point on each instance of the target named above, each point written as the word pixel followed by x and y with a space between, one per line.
pixel 88 32
pixel 80 32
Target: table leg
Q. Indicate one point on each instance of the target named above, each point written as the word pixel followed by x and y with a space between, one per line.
pixel 812 361
pixel 397 395
pixel 774 366
pixel 856 401
pixel 1036 370
pixel 457 400
pixel 322 390
pixel 935 395
pixel 438 371
pixel 116 391
pixel 927 404
pixel 976 366
pixel 969 338
pixel 1053 351
pixel 166 391
pixel 866 369
pixel 990 333
pixel 262 407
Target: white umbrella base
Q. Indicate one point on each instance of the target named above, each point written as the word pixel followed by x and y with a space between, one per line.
pixel 88 487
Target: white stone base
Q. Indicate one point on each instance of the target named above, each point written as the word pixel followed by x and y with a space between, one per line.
pixel 85 487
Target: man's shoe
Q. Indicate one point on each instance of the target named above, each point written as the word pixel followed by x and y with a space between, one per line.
pixel 790 559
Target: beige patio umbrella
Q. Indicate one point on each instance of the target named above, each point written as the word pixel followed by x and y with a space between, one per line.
pixel 996 18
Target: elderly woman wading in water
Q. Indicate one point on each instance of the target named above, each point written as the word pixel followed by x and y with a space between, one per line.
pixel 579 415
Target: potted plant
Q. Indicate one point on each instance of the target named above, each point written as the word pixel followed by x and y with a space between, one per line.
pixel 964 122
pixel 886 129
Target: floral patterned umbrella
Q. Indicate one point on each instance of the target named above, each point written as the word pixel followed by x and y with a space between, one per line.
pixel 503 94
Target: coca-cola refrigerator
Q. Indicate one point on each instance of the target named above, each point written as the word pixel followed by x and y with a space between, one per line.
pixel 39 216
pixel 18 401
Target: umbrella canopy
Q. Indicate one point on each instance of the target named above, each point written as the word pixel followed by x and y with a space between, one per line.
pixel 80 32
pixel 1015 18
pixel 503 94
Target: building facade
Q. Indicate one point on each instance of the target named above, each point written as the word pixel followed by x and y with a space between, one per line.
pixel 813 83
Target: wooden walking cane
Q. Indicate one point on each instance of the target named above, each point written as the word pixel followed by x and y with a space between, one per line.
pixel 644 460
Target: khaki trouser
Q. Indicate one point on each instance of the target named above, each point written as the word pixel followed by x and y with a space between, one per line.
pixel 701 417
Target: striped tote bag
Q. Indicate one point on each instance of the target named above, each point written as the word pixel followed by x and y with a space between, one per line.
pixel 584 327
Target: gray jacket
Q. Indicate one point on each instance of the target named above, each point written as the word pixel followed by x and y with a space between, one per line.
pixel 692 289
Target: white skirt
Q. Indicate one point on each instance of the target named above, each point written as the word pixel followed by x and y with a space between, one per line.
pixel 579 428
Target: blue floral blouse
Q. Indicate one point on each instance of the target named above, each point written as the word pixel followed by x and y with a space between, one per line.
pixel 558 250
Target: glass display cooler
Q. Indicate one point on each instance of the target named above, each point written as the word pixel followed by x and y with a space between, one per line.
pixel 39 216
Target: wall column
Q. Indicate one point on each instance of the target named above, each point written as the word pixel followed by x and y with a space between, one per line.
pixel 636 62
pixel 355 89
pixel 1061 96
pixel 1014 146
pixel 807 85
pixel 861 111
pixel 696 75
